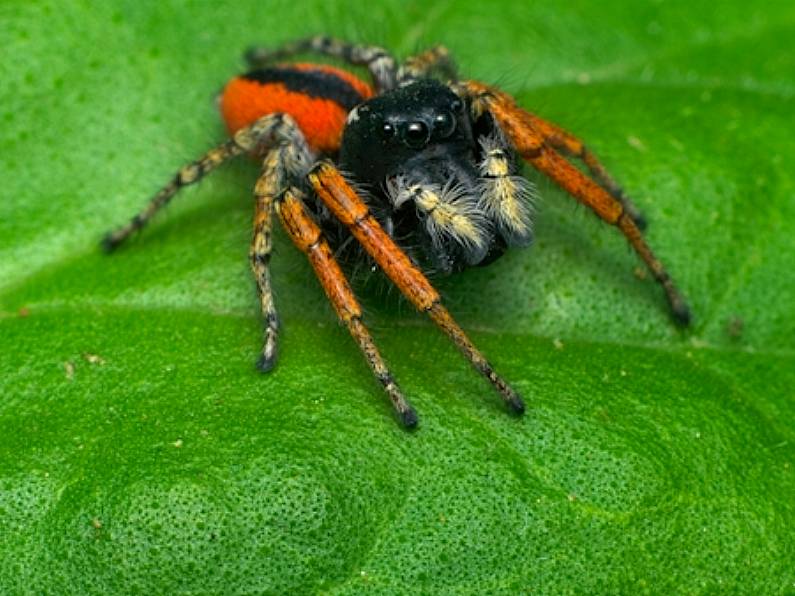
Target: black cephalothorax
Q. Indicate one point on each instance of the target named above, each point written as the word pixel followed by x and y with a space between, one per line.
pixel 430 172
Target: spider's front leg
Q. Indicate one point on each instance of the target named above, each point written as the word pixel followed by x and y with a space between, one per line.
pixel 520 128
pixel 306 235
pixel 350 210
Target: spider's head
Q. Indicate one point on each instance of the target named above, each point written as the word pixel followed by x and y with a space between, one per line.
pixel 439 180
pixel 420 127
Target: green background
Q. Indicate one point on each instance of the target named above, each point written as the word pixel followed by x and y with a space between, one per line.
pixel 650 459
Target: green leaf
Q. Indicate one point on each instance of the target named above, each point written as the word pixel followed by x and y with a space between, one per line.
pixel 140 451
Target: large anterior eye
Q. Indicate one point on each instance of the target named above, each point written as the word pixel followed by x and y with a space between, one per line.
pixel 444 125
pixel 416 134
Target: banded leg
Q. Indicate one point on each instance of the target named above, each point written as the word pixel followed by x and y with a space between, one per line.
pixel 307 236
pixel 267 187
pixel 288 160
pixel 571 146
pixel 243 141
pixel 378 61
pixel 351 211
pixel 518 128
pixel 436 59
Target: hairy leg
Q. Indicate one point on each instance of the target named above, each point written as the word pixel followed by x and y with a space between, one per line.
pixel 349 209
pixel 437 59
pixel 378 61
pixel 259 134
pixel 286 162
pixel 307 236
pixel 517 125
pixel 571 146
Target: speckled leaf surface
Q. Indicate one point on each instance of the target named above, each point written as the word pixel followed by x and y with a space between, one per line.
pixel 140 451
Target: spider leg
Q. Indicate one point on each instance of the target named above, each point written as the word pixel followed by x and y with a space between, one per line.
pixel 245 140
pixel 436 59
pixel 268 185
pixel 518 127
pixel 571 146
pixel 287 161
pixel 377 60
pixel 307 236
pixel 350 210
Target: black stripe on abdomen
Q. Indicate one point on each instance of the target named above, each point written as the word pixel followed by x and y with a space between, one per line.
pixel 313 83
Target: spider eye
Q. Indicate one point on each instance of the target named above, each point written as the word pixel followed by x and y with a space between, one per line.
pixel 387 130
pixel 457 105
pixel 417 134
pixel 444 125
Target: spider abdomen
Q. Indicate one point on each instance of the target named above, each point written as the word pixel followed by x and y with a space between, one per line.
pixel 317 96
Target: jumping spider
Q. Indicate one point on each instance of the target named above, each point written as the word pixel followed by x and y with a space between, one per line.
pixel 431 181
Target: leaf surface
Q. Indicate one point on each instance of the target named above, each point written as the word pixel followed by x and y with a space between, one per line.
pixel 140 451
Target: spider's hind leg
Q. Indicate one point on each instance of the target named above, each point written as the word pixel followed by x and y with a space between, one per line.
pixel 435 60
pixel 243 141
pixel 377 60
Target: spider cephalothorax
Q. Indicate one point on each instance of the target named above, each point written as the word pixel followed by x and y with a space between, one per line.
pixel 431 184
pixel 440 180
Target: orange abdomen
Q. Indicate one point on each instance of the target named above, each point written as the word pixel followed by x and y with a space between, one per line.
pixel 318 97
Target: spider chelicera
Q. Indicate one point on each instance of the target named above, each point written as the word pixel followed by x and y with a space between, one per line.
pixel 432 181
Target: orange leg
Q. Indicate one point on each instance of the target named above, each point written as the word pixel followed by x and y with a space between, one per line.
pixel 519 126
pixel 568 144
pixel 306 235
pixel 349 209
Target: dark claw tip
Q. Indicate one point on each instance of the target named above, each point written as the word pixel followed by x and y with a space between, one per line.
pixel 109 243
pixel 266 364
pixel 409 418
pixel 682 315
pixel 517 405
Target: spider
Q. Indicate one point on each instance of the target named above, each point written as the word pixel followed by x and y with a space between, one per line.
pixel 432 182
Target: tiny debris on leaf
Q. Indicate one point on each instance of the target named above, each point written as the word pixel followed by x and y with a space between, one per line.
pixel 558 343
pixel 734 327
pixel 23 312
pixel 177 443
pixel 93 358
pixel 69 370
pixel 636 143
